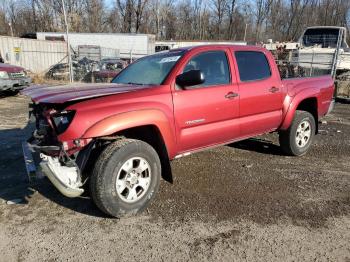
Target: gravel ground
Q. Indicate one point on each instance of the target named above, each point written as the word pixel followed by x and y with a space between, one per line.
pixel 242 202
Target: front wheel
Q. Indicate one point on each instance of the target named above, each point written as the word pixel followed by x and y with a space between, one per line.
pixel 125 178
pixel 297 139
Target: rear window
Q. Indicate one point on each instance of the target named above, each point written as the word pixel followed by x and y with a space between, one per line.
pixel 252 65
pixel 325 37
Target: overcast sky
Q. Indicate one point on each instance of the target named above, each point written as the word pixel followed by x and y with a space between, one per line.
pixel 109 2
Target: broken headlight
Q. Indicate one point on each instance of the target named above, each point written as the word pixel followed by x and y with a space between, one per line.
pixel 62 120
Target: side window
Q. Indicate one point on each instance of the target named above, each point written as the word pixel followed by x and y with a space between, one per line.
pixel 214 67
pixel 252 65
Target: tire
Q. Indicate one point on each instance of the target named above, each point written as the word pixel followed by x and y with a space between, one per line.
pixel 118 185
pixel 292 144
pixel 11 92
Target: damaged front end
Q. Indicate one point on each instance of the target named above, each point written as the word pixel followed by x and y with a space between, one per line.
pixel 66 179
pixel 61 161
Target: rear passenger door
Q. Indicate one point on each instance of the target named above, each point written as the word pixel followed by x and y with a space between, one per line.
pixel 260 103
pixel 207 114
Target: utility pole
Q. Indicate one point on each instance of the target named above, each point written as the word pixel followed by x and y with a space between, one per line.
pixel 71 78
pixel 10 24
pixel 245 32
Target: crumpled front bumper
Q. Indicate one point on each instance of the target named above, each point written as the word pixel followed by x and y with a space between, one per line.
pixel 66 179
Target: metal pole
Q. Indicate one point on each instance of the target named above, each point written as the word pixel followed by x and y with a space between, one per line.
pixel 10 24
pixel 245 32
pixel 336 54
pixel 312 62
pixel 71 78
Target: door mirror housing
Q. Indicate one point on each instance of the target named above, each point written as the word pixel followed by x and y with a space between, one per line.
pixel 190 78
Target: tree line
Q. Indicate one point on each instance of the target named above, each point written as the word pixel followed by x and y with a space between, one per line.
pixel 254 21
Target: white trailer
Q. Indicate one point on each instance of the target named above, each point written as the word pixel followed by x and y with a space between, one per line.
pixel 129 45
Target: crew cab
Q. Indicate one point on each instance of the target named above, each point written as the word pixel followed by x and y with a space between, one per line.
pixel 13 78
pixel 119 137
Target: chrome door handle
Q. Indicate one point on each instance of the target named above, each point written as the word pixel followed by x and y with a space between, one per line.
pixel 231 95
pixel 274 89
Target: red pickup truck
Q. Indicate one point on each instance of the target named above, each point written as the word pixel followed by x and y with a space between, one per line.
pixel 121 136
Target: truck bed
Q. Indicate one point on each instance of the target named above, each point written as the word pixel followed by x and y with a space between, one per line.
pixel 321 86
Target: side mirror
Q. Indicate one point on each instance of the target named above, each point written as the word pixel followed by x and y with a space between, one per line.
pixel 190 78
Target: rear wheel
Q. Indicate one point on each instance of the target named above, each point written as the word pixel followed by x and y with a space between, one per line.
pixel 297 139
pixel 125 178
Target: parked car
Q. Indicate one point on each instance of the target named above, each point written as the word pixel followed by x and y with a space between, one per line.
pixel 13 78
pixel 108 69
pixel 60 71
pixel 120 136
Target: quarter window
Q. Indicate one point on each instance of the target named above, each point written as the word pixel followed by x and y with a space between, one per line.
pixel 214 67
pixel 252 65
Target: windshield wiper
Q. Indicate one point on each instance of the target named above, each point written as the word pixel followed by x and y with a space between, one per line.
pixel 131 83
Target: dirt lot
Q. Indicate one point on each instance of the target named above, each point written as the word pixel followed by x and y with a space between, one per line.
pixel 243 202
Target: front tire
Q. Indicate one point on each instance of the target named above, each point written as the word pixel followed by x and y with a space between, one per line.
pixel 297 139
pixel 125 178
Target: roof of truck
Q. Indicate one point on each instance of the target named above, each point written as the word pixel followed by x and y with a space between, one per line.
pixel 326 27
pixel 208 46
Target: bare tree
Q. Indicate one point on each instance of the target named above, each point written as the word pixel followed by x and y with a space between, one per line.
pixel 219 7
pixel 139 10
pixel 231 11
pixel 95 15
pixel 262 11
pixel 177 19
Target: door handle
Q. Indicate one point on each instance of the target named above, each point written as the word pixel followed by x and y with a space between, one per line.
pixel 231 95
pixel 274 89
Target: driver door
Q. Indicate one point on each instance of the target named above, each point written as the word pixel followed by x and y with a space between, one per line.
pixel 207 114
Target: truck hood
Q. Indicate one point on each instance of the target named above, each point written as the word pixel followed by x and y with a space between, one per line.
pixel 73 92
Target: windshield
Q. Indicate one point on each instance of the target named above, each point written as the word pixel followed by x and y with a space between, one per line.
pixel 325 37
pixel 149 70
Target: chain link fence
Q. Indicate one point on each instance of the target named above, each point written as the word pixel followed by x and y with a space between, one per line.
pixel 322 54
pixel 91 64
pixel 303 63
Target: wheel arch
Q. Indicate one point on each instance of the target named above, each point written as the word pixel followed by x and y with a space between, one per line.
pixel 151 135
pixel 306 103
pixel 150 126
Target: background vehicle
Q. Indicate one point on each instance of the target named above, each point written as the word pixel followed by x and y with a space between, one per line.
pixel 13 78
pixel 120 136
pixel 323 49
pixel 87 70
pixel 61 71
pixel 81 70
pixel 321 43
pixel 108 69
